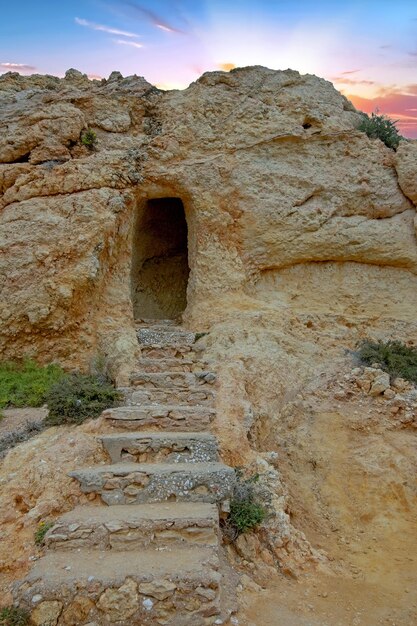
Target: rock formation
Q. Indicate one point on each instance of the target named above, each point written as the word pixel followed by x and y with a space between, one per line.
pixel 277 185
pixel 301 241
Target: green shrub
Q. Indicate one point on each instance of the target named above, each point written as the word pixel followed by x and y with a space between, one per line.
pixel 246 508
pixel 394 357
pixel 381 127
pixel 89 139
pixel 77 397
pixel 13 616
pixel 245 514
pixel 41 531
pixel 26 384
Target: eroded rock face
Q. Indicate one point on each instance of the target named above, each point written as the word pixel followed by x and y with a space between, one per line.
pixel 272 174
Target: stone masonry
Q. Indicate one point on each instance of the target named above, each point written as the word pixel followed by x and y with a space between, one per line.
pixel 150 553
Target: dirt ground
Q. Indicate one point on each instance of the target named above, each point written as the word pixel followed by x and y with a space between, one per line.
pixel 354 494
pixel 329 601
pixel 16 419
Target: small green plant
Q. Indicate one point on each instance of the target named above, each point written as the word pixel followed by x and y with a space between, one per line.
pixel 246 508
pixel 77 397
pixel 89 139
pixel 98 368
pixel 27 383
pixel 41 531
pixel 381 127
pixel 394 357
pixel 13 616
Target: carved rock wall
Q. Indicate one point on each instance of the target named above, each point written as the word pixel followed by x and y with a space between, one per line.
pixel 278 187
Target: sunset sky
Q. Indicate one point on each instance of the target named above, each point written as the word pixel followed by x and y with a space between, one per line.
pixel 367 48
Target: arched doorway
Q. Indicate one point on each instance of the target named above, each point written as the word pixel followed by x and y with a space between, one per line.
pixel 159 274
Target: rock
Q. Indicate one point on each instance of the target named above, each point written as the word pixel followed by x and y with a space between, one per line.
pixel 46 613
pixel 365 385
pixel 77 612
pixel 36 598
pixel 159 589
pixel 380 384
pixel 389 394
pixel 400 384
pixel 248 546
pixel 405 164
pixel 209 594
pixel 339 204
pixel 119 604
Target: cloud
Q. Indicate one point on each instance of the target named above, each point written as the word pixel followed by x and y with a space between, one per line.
pixel 413 53
pixel 226 67
pixel 351 81
pixel 350 72
pixel 16 67
pixel 133 44
pixel 396 102
pixel 104 29
pixel 155 19
pixel 386 46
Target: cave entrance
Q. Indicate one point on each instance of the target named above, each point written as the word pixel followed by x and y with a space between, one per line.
pixel 160 269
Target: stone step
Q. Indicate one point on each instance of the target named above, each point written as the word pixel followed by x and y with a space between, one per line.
pixel 165 336
pixel 172 380
pixel 168 417
pixel 161 447
pixel 137 526
pixel 166 364
pixel 163 323
pixel 157 351
pixel 136 483
pixel 193 396
pixel 174 587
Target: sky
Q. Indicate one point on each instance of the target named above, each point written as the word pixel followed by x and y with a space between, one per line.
pixel 367 48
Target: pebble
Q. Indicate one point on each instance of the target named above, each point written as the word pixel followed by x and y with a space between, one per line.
pixel 36 598
pixel 147 604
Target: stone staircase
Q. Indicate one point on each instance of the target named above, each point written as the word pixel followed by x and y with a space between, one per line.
pixel 152 556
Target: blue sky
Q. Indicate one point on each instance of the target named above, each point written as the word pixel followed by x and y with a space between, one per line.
pixel 368 49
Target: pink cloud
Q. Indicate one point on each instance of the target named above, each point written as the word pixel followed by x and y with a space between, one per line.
pixel 398 104
pixel 7 66
pixel 351 81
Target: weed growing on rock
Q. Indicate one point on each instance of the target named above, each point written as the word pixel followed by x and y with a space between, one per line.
pixel 381 127
pixel 393 357
pixel 13 616
pixel 26 384
pixel 246 508
pixel 89 139
pixel 77 397
pixel 41 531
